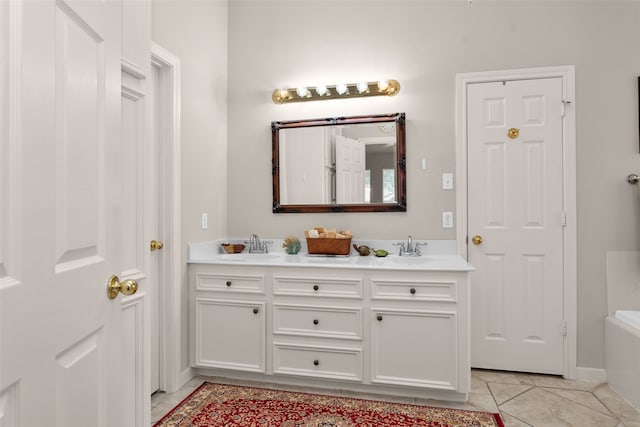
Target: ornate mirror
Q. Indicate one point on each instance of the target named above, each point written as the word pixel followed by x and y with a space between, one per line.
pixel 340 164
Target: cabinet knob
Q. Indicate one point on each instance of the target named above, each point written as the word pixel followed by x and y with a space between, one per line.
pixel 412 290
pixel 256 311
pixel 316 362
pixel 316 287
pixel 316 321
pixel 379 317
pixel 228 282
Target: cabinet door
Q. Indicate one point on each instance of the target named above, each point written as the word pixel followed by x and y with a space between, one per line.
pixel 230 334
pixel 414 348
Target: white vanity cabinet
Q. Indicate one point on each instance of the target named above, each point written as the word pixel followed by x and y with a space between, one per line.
pixel 398 331
pixel 229 319
pixel 418 330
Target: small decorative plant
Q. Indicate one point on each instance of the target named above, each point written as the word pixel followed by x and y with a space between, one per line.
pixel 291 245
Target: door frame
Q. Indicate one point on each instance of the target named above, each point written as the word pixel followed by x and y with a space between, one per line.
pixel 567 74
pixel 170 271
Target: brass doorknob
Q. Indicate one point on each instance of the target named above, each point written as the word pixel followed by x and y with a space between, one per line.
pixel 477 240
pixel 128 287
pixel 156 245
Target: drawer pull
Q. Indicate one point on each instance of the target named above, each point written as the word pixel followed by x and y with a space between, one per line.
pixel 316 287
pixel 256 311
pixel 412 290
pixel 316 362
pixel 228 282
pixel 316 321
pixel 379 317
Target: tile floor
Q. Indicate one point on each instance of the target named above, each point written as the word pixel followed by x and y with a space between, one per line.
pixel 521 399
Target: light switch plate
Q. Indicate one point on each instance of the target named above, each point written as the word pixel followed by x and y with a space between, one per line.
pixel 447 181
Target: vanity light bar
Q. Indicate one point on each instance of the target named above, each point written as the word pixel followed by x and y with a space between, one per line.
pixel 339 91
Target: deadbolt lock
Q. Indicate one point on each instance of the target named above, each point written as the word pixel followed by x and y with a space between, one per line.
pixel 513 133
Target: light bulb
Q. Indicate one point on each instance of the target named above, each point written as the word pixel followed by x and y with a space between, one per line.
pixel 342 89
pixel 322 90
pixel 303 92
pixel 363 87
pixel 383 85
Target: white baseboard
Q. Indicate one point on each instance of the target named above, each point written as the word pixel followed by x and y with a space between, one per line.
pixel 591 375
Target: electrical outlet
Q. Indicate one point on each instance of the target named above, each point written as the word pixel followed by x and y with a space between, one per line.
pixel 447 219
pixel 204 221
pixel 447 181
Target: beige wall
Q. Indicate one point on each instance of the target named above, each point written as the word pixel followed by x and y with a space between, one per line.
pixel 423 44
pixel 196 32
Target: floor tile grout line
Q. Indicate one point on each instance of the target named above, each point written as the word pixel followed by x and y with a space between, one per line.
pixel 611 415
pixel 609 412
pixel 620 417
pixel 521 420
pixel 513 397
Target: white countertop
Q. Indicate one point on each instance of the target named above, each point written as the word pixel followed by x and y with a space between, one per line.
pixel 210 253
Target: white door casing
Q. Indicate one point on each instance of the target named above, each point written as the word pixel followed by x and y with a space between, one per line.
pixel 154 230
pixel 517 194
pixel 66 349
pixel 174 366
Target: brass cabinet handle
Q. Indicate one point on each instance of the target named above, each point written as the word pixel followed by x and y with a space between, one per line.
pixel 477 240
pixel 156 245
pixel 513 133
pixel 128 287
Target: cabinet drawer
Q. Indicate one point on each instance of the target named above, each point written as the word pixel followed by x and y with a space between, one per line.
pixel 234 283
pixel 319 362
pixel 339 288
pixel 328 322
pixel 423 290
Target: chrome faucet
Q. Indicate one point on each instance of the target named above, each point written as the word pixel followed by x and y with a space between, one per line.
pixel 410 248
pixel 257 246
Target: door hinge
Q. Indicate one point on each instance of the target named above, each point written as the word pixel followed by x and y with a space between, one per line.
pixel 564 329
pixel 564 219
pixel 564 107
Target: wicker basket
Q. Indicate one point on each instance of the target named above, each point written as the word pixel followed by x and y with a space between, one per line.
pixel 329 246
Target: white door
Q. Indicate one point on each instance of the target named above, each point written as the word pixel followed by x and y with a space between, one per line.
pixel 515 205
pixel 70 355
pixel 350 164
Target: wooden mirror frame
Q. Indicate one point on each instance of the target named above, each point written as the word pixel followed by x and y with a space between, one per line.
pixel 401 165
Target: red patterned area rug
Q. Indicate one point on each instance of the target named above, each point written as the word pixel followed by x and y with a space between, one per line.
pixel 228 405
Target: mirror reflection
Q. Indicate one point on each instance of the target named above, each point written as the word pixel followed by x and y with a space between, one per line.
pixel 339 164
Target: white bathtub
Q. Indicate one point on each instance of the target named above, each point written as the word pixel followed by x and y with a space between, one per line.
pixel 622 354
